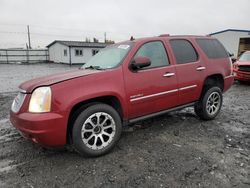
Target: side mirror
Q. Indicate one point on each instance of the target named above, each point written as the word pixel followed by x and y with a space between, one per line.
pixel 140 62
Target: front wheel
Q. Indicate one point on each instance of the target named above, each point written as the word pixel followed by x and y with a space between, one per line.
pixel 210 104
pixel 96 130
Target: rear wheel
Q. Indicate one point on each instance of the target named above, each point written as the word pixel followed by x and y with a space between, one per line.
pixel 210 104
pixel 96 130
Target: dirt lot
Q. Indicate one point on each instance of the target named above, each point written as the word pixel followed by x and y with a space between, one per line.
pixel 174 150
pixel 11 75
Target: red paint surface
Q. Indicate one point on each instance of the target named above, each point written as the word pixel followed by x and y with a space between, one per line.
pixel 74 87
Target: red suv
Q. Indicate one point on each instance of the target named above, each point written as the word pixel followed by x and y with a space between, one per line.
pixel 241 68
pixel 124 83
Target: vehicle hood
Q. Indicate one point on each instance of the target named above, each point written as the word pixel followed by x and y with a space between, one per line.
pixel 30 85
pixel 243 63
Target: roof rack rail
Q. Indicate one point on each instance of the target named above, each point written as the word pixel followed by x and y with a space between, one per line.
pixel 164 35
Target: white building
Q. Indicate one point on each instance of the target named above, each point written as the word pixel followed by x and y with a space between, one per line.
pixel 236 41
pixel 73 52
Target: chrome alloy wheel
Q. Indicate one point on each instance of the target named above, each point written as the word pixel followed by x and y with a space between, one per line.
pixel 213 103
pixel 98 130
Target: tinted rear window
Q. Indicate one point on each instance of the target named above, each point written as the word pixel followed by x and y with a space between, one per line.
pixel 212 48
pixel 184 51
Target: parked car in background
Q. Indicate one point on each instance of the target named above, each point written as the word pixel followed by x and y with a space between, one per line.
pixel 122 84
pixel 241 68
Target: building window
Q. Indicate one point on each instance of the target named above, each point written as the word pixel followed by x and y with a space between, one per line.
pixel 65 52
pixel 78 53
pixel 94 52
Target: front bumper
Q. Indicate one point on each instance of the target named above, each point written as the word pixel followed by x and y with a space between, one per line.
pixel 46 129
pixel 242 76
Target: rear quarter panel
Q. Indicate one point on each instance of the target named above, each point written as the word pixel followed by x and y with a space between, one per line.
pixel 221 66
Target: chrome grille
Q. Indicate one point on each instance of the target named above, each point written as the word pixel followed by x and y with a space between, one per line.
pixel 244 68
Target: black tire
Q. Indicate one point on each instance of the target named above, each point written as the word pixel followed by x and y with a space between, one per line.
pixel 242 82
pixel 86 119
pixel 202 107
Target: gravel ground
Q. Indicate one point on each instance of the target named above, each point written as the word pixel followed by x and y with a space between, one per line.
pixel 11 75
pixel 174 150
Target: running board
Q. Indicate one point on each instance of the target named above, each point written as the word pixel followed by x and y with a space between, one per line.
pixel 160 113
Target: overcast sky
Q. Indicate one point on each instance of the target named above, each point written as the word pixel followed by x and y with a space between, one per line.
pixel 77 19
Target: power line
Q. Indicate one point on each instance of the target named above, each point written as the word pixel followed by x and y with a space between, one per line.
pixel 56 28
pixel 53 35
pixel 66 29
pixel 43 34
pixel 86 32
pixel 12 32
pixel 12 24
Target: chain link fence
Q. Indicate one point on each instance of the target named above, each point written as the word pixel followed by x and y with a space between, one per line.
pixel 23 55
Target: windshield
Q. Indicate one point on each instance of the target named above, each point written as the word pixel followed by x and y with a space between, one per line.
pixel 245 57
pixel 109 57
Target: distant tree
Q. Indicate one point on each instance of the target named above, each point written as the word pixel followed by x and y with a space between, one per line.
pixel 109 42
pixel 95 40
pixel 87 39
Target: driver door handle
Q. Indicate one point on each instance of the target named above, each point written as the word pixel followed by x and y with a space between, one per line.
pixel 168 74
pixel 200 68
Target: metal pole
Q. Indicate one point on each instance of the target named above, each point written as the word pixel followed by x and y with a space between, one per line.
pixel 105 35
pixel 47 55
pixel 28 27
pixel 70 61
pixel 27 55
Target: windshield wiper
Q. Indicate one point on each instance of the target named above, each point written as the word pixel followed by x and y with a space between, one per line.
pixel 94 67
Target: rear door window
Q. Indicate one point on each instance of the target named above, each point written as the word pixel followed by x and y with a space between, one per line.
pixel 212 48
pixel 184 51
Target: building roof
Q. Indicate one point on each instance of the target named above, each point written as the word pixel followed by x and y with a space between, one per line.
pixel 226 30
pixel 79 44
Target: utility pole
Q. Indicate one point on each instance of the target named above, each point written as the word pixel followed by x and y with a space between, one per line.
pixel 29 36
pixel 105 37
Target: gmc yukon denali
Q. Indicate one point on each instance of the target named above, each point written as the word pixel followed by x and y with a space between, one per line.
pixel 123 83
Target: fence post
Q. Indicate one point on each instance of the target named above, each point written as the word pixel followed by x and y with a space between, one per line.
pixel 47 55
pixel 70 60
pixel 27 55
pixel 7 56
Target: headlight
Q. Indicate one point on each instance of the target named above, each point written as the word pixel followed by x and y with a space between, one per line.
pixel 40 100
pixel 235 66
pixel 18 102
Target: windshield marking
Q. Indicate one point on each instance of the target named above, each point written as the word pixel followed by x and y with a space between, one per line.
pixel 123 46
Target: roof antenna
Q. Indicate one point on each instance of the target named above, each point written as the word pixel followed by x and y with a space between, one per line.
pixel 132 38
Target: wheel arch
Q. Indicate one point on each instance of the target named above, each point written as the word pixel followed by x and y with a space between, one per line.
pixel 79 106
pixel 213 80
